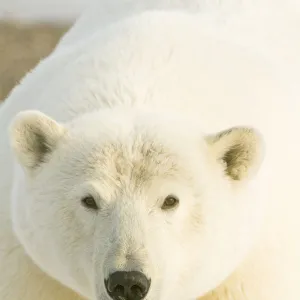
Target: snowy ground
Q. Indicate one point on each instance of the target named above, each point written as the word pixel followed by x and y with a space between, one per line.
pixel 23 45
pixel 41 10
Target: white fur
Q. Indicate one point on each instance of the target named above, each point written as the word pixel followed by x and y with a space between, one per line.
pixel 129 108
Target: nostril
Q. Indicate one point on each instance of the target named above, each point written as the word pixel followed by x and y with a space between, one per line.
pixel 137 290
pixel 127 285
pixel 120 290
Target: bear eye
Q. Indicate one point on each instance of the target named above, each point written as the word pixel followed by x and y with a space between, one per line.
pixel 170 202
pixel 89 202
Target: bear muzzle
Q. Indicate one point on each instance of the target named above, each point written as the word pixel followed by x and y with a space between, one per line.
pixel 122 285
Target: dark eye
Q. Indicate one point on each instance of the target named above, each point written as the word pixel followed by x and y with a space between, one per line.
pixel 170 202
pixel 89 202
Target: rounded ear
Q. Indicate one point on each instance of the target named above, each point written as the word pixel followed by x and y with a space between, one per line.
pixel 240 149
pixel 33 136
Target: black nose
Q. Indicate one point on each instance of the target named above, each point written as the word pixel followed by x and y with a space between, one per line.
pixel 127 285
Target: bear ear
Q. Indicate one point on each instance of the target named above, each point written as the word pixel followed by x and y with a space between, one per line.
pixel 240 150
pixel 33 137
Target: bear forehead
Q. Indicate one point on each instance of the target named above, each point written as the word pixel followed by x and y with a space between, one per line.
pixel 136 162
pixel 139 162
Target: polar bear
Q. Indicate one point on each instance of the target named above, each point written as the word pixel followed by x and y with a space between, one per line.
pixel 155 155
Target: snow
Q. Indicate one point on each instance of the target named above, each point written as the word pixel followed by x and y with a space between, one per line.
pixel 42 10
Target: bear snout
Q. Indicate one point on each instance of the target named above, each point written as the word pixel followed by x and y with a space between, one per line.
pixel 131 285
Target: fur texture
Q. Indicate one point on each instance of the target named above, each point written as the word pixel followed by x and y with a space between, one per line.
pixel 141 100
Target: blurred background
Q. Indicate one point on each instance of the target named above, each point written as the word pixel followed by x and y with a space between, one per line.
pixel 29 30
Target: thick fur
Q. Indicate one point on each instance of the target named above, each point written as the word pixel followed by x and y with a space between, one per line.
pixel 142 99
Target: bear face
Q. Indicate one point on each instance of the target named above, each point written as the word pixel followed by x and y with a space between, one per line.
pixel 116 191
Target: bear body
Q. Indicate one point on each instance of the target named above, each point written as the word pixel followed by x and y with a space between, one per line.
pixel 156 138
